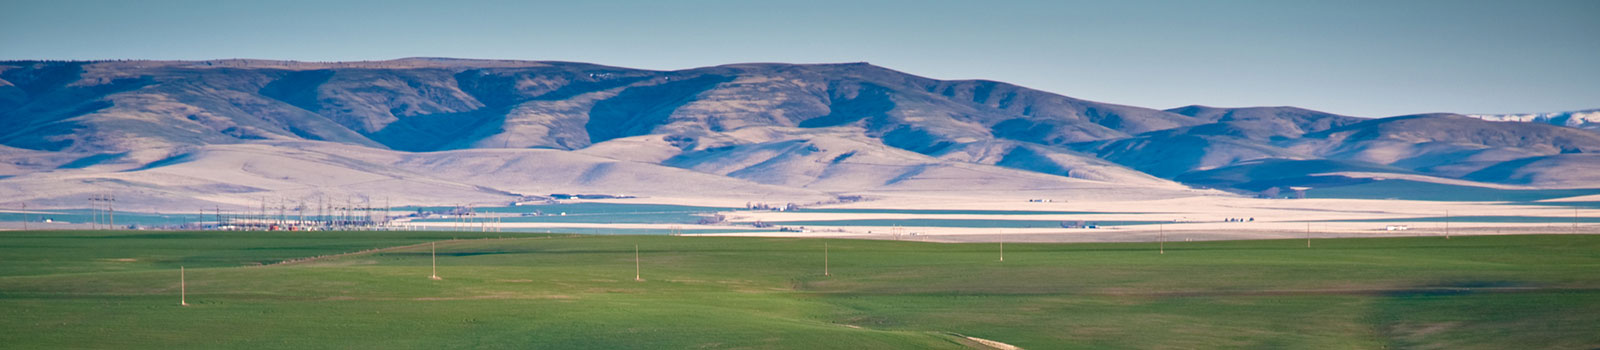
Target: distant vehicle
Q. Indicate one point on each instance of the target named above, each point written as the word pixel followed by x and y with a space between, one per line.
pixel 1079 224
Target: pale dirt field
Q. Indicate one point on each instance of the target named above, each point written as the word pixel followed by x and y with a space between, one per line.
pixel 475 226
pixel 1151 234
pixel 1191 218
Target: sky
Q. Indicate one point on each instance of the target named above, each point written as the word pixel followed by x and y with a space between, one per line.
pixel 1353 57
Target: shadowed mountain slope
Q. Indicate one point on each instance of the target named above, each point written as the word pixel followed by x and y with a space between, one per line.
pixel 799 130
pixel 1298 140
pixel 424 105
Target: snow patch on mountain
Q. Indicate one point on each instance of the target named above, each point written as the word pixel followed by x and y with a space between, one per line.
pixel 1585 119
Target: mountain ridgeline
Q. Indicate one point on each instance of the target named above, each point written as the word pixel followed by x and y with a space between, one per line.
pixel 801 126
pixel 430 105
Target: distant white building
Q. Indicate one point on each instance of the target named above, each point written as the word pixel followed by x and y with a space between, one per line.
pixel 1396 228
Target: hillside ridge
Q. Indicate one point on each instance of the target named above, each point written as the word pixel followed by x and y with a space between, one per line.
pixel 807 127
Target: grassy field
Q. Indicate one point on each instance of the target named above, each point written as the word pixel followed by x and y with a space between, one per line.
pixel 120 290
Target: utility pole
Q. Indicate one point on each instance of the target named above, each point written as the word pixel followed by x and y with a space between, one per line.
pixel 1002 245
pixel 434 252
pixel 825 259
pixel 183 288
pixel 1161 230
pixel 94 212
pixel 95 203
pixel 25 217
pixel 636 276
pixel 1308 234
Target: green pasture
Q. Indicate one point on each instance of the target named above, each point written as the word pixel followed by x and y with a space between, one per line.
pixel 97 289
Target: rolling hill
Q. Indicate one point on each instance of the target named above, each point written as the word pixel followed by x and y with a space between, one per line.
pixel 444 131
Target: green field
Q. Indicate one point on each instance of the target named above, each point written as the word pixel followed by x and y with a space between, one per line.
pixel 120 290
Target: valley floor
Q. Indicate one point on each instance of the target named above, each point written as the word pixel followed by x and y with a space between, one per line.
pixel 974 219
pixel 965 218
pixel 121 289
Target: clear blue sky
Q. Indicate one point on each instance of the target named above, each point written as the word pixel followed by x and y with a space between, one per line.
pixel 1366 58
